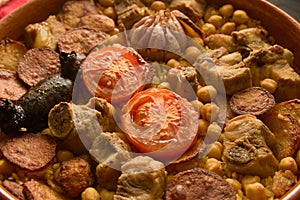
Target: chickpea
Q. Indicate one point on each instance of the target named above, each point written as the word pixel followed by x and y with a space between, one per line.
pixel 158 5
pixel 63 155
pixel 241 27
pixel 288 55
pixel 173 63
pixel 5 167
pixel 106 3
pixel 202 127
pixel 255 191
pixel 209 12
pixel 226 10
pixel 164 85
pixel 216 20
pixel 288 163
pixel 106 195
pixel 207 93
pixel 227 28
pixel 198 40
pixel 269 84
pixel 249 179
pixel 90 193
pixel 197 105
pixel 298 157
pixel 192 53
pixel 214 165
pixel 209 29
pixel 210 111
pixel 215 151
pixel 240 17
pixel 234 183
pixel 110 12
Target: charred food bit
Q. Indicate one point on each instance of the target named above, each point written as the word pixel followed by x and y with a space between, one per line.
pixel 88 38
pixel 11 87
pixel 11 116
pixel 72 11
pixel 284 121
pixel 74 176
pixel 29 151
pixel 254 101
pixel 14 188
pixel 40 99
pixel 142 178
pixel 38 64
pixel 70 65
pixel 10 52
pixel 199 184
pixel 35 190
pixel 247 143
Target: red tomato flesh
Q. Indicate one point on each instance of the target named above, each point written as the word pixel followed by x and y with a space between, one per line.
pixel 160 122
pixel 115 73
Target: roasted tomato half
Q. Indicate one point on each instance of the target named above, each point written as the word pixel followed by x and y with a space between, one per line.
pixel 160 123
pixel 115 73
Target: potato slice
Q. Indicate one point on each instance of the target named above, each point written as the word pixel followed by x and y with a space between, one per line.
pixel 10 52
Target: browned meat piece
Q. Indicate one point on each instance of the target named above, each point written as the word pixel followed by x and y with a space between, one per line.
pixel 232 79
pixel 142 178
pixel 10 52
pixel 282 182
pixel 14 188
pixel 11 87
pixel 38 64
pixel 130 11
pixel 283 120
pixel 252 37
pixel 35 190
pixel 72 11
pixel 216 41
pixel 80 40
pixel 254 101
pixel 97 22
pixel 199 184
pixel 272 63
pixel 194 9
pixel 247 143
pixel 74 176
pixel 44 34
pixel 29 151
pixel 110 150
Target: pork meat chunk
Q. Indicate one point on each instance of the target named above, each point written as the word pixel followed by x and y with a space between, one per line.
pixel 142 179
pixel 247 142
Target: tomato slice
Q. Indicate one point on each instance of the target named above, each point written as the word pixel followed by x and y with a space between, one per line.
pixel 115 73
pixel 160 122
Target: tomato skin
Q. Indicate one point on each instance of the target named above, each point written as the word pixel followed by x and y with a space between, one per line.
pixel 160 123
pixel 115 73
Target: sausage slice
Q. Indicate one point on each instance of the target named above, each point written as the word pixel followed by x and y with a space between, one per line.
pixel 254 101
pixel 80 40
pixel 38 64
pixel 199 184
pixel 11 87
pixel 29 151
